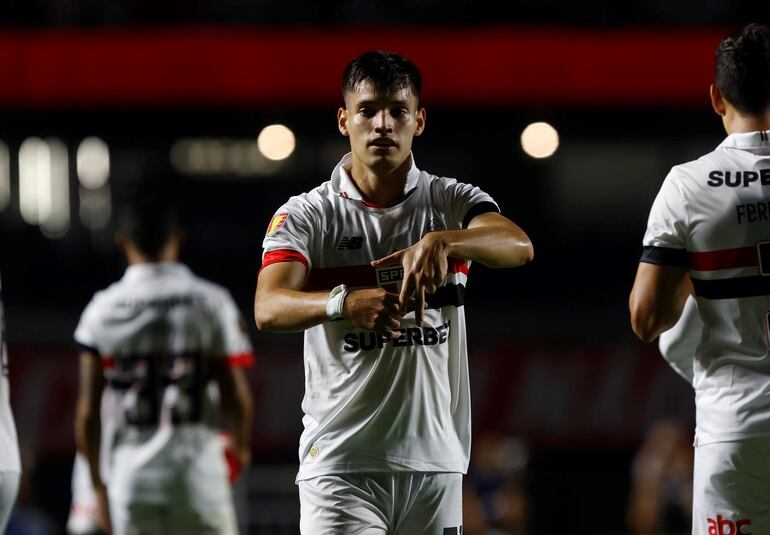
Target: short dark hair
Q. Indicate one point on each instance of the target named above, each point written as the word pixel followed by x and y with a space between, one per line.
pixel 742 69
pixel 386 70
pixel 148 218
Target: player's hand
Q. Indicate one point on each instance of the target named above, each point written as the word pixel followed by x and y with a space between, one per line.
pixel 238 458
pixel 374 310
pixel 103 518
pixel 425 268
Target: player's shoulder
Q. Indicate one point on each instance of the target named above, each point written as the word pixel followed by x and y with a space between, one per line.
pixel 108 294
pixel 438 181
pixel 212 292
pixel 697 168
pixel 310 202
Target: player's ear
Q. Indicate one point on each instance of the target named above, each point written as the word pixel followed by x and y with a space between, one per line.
pixel 717 102
pixel 421 116
pixel 342 121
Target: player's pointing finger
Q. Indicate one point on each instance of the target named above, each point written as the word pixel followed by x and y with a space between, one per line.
pixel 392 259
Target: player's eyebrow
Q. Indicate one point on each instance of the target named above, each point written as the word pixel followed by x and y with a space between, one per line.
pixel 379 102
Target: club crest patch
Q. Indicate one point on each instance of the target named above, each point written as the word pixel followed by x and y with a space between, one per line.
pixel 276 223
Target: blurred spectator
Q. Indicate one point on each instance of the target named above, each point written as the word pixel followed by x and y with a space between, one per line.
pixel 495 502
pixel 661 492
pixel 28 518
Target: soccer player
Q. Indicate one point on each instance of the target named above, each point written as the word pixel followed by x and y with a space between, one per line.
pixel 372 265
pixel 10 464
pixel 157 338
pixel 708 234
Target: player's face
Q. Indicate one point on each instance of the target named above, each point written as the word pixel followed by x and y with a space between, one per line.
pixel 380 126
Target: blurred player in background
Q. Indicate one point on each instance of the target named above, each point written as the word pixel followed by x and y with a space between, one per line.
pixel 10 464
pixel 708 234
pixel 155 340
pixel 372 265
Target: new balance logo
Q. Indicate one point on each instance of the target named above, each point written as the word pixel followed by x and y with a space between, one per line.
pixel 350 242
pixel 725 526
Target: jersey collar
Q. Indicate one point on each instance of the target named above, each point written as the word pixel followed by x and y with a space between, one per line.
pixel 758 142
pixel 343 184
pixel 149 269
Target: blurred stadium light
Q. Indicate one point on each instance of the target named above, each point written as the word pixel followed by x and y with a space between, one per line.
pixel 44 185
pixel 540 140
pixel 276 142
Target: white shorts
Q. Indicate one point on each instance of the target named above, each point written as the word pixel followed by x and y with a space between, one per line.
pixel 9 488
pixel 152 519
pixel 389 503
pixel 731 488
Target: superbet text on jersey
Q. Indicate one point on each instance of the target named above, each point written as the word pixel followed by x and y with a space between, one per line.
pixel 357 381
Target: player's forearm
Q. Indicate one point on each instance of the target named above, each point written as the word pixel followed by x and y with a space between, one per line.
pixel 240 415
pixel 493 246
pixel 657 299
pixel 284 310
pixel 88 439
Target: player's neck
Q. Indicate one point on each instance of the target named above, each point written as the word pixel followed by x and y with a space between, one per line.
pixel 383 188
pixel 169 253
pixel 737 123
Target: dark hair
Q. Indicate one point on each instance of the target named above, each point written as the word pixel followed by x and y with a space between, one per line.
pixel 386 70
pixel 742 69
pixel 148 219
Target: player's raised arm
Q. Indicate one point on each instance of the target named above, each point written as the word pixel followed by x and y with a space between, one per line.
pixel 491 239
pixel 281 306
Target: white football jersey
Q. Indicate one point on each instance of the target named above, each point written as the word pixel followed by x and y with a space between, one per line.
pixel 679 344
pixel 712 215
pixel 156 331
pixel 372 404
pixel 9 447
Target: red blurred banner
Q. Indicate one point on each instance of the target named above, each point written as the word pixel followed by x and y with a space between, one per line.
pixel 486 67
pixel 549 393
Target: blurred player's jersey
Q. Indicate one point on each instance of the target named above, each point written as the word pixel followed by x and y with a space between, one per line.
pixel 157 331
pixel 679 344
pixel 372 404
pixel 712 215
pixel 83 515
pixel 9 449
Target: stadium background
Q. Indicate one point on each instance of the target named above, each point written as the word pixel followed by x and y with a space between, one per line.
pixel 564 395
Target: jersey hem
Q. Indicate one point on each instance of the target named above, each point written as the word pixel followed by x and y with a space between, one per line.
pixel 703 439
pixel 360 468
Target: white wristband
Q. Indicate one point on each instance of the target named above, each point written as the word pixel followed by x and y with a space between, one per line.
pixel 336 301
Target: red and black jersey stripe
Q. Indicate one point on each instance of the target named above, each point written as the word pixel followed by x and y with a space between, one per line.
pixel 704 261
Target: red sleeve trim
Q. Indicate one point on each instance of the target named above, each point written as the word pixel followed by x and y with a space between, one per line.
pixel 241 360
pixel 457 265
pixel 283 255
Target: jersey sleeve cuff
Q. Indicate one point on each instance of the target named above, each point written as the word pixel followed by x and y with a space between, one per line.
pixel 664 256
pixel 478 209
pixel 283 255
pixel 81 347
pixel 241 360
